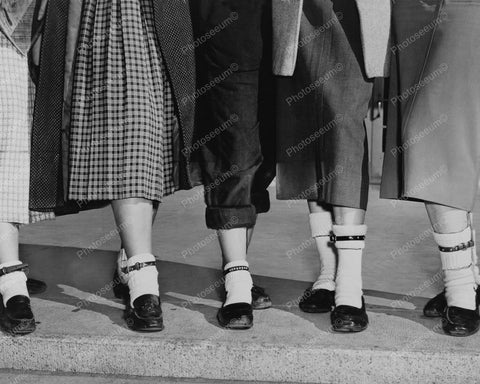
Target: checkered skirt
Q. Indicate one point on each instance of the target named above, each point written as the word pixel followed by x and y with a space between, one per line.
pixel 123 116
pixel 15 122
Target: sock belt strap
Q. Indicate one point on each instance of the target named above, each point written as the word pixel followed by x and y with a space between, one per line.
pixel 21 267
pixel 459 247
pixel 139 266
pixel 334 238
pixel 235 269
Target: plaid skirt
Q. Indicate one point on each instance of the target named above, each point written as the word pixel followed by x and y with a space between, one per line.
pixel 123 121
pixel 15 121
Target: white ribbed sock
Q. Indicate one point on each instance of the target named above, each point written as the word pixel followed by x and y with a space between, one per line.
pixel 321 226
pixel 458 269
pixel 238 284
pixel 13 284
pixel 144 281
pixel 348 284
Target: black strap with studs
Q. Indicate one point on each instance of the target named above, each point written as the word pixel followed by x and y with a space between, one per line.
pixel 16 268
pixel 459 247
pixel 235 269
pixel 334 238
pixel 138 266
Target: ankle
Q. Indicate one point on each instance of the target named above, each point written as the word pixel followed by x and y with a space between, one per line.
pixel 238 283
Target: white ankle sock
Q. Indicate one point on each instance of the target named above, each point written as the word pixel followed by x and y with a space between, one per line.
pixel 458 270
pixel 144 281
pixel 238 284
pixel 348 284
pixel 321 227
pixel 13 284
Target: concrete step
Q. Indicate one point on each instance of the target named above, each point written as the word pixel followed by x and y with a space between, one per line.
pixel 81 330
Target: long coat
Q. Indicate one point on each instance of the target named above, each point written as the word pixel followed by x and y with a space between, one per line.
pixel 375 30
pixel 58 32
pixel 433 133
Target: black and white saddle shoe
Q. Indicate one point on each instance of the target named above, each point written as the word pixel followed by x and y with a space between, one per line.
pixel 317 301
pixel 145 315
pixel 346 318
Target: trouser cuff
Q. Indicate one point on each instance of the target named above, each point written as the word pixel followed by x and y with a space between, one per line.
pixel 229 218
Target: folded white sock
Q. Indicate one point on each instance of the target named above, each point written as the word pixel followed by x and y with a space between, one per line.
pixel 13 284
pixel 238 284
pixel 348 284
pixel 321 226
pixel 144 281
pixel 458 269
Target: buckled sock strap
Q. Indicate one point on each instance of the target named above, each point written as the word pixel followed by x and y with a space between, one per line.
pixel 138 266
pixel 455 249
pixel 15 268
pixel 349 236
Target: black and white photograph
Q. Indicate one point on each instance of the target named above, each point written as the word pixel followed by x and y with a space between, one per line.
pixel 239 191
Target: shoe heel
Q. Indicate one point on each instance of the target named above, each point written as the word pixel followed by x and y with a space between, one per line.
pixel 120 290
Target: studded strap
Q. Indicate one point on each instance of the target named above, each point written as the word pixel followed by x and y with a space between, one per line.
pixel 21 267
pixel 139 266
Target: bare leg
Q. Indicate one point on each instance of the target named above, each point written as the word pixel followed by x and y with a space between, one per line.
pixel 134 221
pixel 8 243
pixel 451 228
pixel 233 243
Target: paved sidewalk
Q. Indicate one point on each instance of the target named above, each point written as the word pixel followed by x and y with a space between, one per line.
pixel 81 327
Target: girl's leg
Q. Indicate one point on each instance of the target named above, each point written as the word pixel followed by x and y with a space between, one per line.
pixel 13 283
pixel 453 235
pixel 349 231
pixel 134 221
pixel 321 225
pixel 320 297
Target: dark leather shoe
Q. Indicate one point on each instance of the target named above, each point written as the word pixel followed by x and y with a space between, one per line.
pixel 17 317
pixel 236 316
pixel 146 314
pixel 260 298
pixel 345 318
pixel 317 301
pixel 436 307
pixel 35 287
pixel 460 321
pixel 120 290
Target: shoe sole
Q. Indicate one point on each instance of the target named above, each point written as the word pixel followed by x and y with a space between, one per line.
pixel 237 324
pixel 349 329
pixel 315 310
pixel 19 328
pixel 460 334
pixel 261 305
pixel 142 325
pixel 432 315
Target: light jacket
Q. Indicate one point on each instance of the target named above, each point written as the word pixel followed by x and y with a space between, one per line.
pixel 11 13
pixel 375 16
